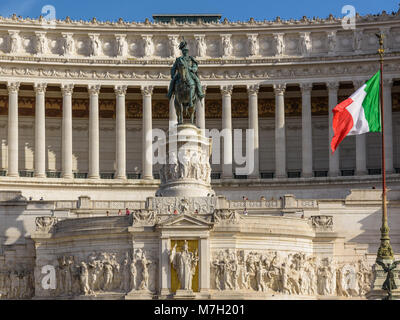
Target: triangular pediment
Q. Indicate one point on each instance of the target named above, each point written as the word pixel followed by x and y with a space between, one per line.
pixel 185 221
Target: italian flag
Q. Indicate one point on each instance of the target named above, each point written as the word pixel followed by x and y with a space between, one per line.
pixel 358 114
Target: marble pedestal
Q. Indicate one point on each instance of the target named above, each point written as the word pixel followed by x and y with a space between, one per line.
pixel 377 293
pixel 187 170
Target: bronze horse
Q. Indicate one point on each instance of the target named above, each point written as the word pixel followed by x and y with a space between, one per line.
pixel 185 94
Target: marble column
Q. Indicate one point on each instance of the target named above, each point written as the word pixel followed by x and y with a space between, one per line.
pixel 252 91
pixel 40 130
pixel 173 120
pixel 201 111
pixel 66 161
pixel 94 170
pixel 387 104
pixel 306 130
pixel 147 138
pixel 13 88
pixel 333 87
pixel 280 135
pixel 226 92
pixel 361 143
pixel 120 132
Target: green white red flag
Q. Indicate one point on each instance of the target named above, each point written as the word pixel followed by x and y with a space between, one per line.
pixel 358 114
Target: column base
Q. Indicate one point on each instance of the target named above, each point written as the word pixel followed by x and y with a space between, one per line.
pixel 13 175
pixel 254 176
pixel 148 178
pixel 361 173
pixel 281 176
pixel 39 175
pixel 120 177
pixel 307 175
pixel 333 174
pixel 68 176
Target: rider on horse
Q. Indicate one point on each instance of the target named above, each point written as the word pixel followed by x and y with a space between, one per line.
pixel 192 66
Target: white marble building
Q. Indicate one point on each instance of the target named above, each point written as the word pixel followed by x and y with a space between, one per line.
pixel 78 97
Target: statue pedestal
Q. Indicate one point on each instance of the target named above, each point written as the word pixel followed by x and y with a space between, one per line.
pixel 187 170
pixel 184 294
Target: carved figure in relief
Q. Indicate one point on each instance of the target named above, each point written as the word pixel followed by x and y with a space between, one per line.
pixel 41 44
pixel 68 44
pixel 144 285
pixel 253 45
pixel 148 47
pixel 133 273
pixel 227 46
pixel 279 44
pixel 121 46
pixel 14 42
pixel 95 45
pixel 84 279
pixel 201 46
pixel 184 263
pixel 108 276
pixel 125 274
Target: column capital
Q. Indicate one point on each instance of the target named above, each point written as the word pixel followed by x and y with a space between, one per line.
pixel 13 87
pixel 147 90
pixel 279 88
pixel 67 88
pixel 94 89
pixel 252 89
pixel 120 90
pixel 306 87
pixel 387 82
pixel 227 90
pixel 358 83
pixel 332 85
pixel 40 87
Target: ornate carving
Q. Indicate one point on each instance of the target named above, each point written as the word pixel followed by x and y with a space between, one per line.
pixel 40 87
pixel 94 89
pixel 144 217
pixel 227 47
pixel 121 46
pixel 305 43
pixel 253 44
pixel 15 41
pixel 279 45
pixel 120 90
pixel 201 45
pixel 322 222
pixel 227 216
pixel 94 45
pixel 173 46
pixel 253 89
pixel 357 39
pixel 147 90
pixel 41 43
pixel 148 46
pixel 279 88
pixel 13 87
pixel 69 44
pixel 227 90
pixel 45 224
pixel 331 38
pixel 67 88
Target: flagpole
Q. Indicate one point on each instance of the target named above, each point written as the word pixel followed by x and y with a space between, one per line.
pixel 385 250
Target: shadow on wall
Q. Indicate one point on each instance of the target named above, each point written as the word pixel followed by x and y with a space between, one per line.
pixel 370 230
pixel 13 227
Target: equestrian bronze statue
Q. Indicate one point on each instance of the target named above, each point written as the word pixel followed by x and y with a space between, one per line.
pixel 185 85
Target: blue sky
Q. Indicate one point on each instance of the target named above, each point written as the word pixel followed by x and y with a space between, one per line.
pixel 232 9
